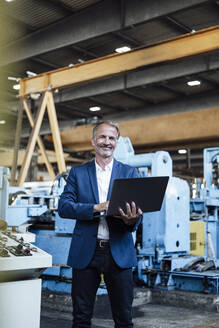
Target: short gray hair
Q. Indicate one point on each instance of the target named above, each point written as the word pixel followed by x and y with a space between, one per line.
pixel 113 124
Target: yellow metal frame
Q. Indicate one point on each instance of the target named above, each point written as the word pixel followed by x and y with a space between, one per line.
pixel 47 101
pixel 187 45
pixel 184 46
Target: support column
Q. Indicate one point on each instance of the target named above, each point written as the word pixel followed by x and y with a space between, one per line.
pixel 55 133
pixel 32 140
pixel 17 142
pixel 40 142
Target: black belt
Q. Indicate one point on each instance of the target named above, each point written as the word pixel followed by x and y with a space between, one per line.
pixel 102 243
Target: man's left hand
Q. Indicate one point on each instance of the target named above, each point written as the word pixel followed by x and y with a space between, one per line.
pixel 132 214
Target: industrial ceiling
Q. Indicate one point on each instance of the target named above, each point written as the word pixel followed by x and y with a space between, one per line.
pixel 44 35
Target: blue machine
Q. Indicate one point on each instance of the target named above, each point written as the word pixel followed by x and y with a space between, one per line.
pixel 53 234
pixel 164 259
pixel 22 206
pixel 205 206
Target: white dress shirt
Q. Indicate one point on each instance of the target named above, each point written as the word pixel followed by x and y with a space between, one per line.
pixel 103 181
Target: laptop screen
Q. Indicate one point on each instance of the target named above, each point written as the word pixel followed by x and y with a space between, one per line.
pixel 147 193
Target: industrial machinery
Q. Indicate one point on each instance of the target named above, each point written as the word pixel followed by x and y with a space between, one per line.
pixel 21 264
pixel 35 207
pixel 164 257
pixel 166 243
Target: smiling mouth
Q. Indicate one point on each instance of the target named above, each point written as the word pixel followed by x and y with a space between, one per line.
pixel 106 147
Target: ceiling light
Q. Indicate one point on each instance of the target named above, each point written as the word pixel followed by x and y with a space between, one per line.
pixel 12 78
pixel 9 0
pixel 122 49
pixel 193 83
pixel 16 86
pixel 182 151
pixel 94 109
pixel 30 74
pixel 35 96
pixel 2 121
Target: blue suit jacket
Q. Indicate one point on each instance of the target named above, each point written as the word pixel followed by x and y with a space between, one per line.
pixel 77 201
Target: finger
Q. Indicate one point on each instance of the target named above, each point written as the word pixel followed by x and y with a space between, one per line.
pixel 121 211
pixel 128 209
pixel 117 216
pixel 140 212
pixel 133 208
pixel 107 205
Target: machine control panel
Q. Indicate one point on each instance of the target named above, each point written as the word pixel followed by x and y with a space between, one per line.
pixel 10 245
pixel 20 259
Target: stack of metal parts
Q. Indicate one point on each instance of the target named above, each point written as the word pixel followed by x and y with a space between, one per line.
pixel 19 259
pixel 21 249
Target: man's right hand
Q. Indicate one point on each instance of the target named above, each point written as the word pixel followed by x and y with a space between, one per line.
pixel 101 207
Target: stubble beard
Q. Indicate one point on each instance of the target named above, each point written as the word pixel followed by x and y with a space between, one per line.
pixel 105 153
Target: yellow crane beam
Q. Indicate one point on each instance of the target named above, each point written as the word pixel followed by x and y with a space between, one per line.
pixel 187 128
pixel 187 45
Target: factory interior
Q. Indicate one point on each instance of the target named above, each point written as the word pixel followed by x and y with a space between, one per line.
pixel 152 67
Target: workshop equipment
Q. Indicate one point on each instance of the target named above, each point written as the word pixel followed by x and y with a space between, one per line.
pixel 163 244
pixel 21 264
pixel 166 242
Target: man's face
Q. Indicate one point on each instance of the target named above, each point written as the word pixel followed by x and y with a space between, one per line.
pixel 105 140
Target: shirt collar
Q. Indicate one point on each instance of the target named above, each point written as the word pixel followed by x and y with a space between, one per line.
pixel 107 167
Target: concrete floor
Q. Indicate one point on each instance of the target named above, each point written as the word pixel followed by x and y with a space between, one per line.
pixel 193 310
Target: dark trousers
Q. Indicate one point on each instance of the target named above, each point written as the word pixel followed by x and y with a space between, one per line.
pixel 119 283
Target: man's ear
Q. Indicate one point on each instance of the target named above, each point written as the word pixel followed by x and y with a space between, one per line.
pixel 92 142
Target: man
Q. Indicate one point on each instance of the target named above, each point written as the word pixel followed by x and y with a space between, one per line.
pixel 99 244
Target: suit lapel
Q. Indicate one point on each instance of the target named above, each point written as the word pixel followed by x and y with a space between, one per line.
pixel 115 174
pixel 93 180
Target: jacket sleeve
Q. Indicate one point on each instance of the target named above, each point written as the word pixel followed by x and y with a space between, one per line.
pixel 68 206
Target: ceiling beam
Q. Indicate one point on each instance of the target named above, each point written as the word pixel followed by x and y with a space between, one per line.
pixel 130 40
pixel 99 19
pixel 71 109
pixel 207 100
pixel 137 97
pixel 180 26
pixel 45 62
pixel 116 108
pixel 60 5
pixel 145 77
pixel 187 45
pixel 84 51
pixel 192 144
pixel 159 131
